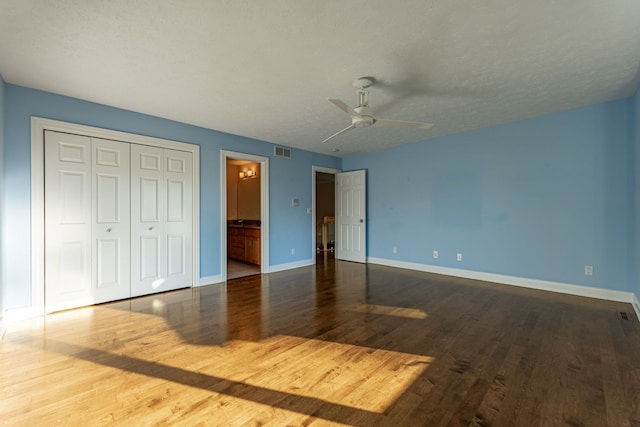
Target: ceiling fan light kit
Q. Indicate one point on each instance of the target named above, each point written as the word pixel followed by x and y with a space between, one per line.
pixel 362 116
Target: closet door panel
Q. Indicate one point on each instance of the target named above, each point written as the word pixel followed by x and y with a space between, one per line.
pixel 68 221
pixel 111 222
pixel 148 269
pixel 162 224
pixel 150 258
pixel 179 223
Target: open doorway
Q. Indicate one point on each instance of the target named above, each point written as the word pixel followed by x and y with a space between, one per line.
pixel 324 236
pixel 244 225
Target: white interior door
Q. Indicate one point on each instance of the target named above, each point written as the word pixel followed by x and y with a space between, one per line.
pixel 111 220
pixel 68 222
pixel 178 224
pixel 87 220
pixel 351 220
pixel 161 219
pixel 147 220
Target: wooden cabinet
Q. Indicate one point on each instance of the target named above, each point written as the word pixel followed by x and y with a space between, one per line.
pixel 252 246
pixel 235 246
pixel 243 244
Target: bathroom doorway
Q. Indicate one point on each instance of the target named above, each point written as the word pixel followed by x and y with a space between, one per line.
pixel 244 225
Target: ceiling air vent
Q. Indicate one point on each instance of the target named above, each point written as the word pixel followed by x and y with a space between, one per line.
pixel 283 152
pixel 624 316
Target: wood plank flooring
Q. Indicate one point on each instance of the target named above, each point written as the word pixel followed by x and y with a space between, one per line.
pixel 335 344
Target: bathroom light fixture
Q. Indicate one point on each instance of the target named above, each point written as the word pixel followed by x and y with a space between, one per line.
pixel 248 174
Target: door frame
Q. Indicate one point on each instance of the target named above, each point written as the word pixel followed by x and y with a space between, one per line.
pixel 315 169
pixel 38 126
pixel 264 208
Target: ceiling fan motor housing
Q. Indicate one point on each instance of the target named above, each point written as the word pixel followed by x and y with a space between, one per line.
pixel 365 118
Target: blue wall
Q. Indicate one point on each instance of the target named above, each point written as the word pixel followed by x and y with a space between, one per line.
pixel 289 227
pixel 539 198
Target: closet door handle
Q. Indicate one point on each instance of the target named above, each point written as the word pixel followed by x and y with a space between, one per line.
pixel 108 230
pixel 150 228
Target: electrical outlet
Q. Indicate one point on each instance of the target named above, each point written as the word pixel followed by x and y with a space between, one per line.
pixel 293 251
pixel 588 270
pixel 435 254
pixel 394 250
pixel 459 257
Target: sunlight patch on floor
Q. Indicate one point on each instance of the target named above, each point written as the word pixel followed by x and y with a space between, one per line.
pixel 387 310
pixel 146 360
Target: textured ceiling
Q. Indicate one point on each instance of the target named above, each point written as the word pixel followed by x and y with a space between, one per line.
pixel 265 69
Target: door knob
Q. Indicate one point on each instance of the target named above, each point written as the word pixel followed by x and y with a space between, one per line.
pixel 108 230
pixel 361 220
pixel 150 228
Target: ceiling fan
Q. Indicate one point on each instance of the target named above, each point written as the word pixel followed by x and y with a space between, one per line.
pixel 362 115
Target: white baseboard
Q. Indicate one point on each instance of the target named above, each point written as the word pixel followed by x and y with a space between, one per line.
pixel 290 265
pixel 210 280
pixel 22 314
pixel 564 288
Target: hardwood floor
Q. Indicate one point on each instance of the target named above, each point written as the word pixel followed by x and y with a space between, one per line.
pixel 335 344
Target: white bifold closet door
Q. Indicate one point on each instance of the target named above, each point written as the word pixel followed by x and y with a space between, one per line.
pixel 118 220
pixel 161 219
pixel 87 214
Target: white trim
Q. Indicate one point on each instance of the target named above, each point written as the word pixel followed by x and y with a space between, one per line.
pixel 565 288
pixel 210 280
pixel 315 169
pixel 24 313
pixel 38 126
pixel 636 306
pixel 291 265
pixel 264 208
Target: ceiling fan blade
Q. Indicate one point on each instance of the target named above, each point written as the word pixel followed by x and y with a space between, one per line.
pixel 338 133
pixel 344 107
pixel 402 124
